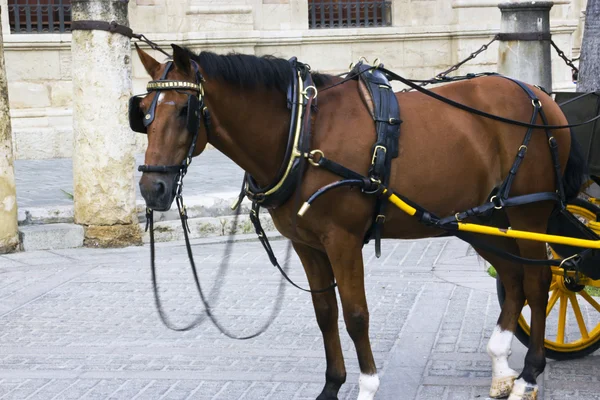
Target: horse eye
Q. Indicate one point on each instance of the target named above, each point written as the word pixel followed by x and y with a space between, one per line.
pixel 183 112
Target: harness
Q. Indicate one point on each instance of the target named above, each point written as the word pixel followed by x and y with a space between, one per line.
pixel 300 101
pixel 584 261
pixel 386 115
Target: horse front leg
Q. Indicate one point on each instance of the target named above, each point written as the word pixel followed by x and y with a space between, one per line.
pixel 320 276
pixel 344 251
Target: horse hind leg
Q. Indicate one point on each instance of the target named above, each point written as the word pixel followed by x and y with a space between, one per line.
pixel 499 344
pixel 319 273
pixel 536 284
pixel 511 276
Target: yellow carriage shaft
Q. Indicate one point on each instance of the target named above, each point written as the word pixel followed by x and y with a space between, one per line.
pixel 511 233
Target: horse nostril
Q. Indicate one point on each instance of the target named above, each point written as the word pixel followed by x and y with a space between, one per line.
pixel 160 187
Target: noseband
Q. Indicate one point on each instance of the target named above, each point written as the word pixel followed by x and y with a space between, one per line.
pixel 196 111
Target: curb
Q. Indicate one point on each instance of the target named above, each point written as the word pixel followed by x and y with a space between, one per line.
pixel 56 236
pixel 210 205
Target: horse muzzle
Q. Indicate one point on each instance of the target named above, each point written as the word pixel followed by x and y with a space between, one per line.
pixel 158 190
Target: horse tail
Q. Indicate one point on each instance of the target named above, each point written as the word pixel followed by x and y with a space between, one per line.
pixel 576 170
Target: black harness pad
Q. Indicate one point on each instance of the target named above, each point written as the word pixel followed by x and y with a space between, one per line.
pixel 386 114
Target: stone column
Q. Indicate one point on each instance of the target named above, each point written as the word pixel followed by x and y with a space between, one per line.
pixel 104 145
pixel 9 233
pixel 521 53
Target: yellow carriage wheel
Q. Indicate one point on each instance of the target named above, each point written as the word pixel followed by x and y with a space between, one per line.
pixel 573 312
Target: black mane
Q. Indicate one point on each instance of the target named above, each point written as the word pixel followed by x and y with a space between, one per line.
pixel 248 71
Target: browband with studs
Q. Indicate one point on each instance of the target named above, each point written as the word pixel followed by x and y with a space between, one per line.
pixel 162 85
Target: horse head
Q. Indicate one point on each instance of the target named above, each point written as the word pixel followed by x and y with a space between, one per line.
pixel 169 114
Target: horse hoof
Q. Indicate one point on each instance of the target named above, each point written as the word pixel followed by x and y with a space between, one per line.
pixel 501 387
pixel 523 391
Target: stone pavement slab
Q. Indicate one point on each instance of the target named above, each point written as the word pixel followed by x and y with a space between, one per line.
pixel 81 324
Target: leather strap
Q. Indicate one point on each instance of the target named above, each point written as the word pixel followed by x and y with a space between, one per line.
pixel 392 75
pixel 112 27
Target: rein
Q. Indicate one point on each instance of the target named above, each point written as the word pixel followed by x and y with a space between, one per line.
pixel 208 309
pixel 411 83
pixel 200 112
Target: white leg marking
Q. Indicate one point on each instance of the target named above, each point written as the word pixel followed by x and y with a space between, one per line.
pixel 523 391
pixel 498 349
pixel 368 385
pixel 503 376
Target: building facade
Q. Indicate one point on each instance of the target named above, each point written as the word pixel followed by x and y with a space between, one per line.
pixel 416 38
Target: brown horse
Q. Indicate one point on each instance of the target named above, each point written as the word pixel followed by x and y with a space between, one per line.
pixel 449 161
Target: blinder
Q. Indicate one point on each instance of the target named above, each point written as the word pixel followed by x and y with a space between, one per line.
pixel 193 116
pixel 137 118
pixel 138 121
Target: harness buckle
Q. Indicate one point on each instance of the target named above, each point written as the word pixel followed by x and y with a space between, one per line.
pixel 497 205
pixel 380 219
pixel 374 157
pixel 306 94
pixel 311 157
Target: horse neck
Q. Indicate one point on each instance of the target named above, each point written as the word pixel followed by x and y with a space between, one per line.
pixel 250 127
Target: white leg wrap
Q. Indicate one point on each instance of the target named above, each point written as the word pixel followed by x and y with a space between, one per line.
pixel 368 385
pixel 523 391
pixel 502 375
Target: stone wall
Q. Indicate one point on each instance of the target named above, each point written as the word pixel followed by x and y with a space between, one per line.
pixel 426 37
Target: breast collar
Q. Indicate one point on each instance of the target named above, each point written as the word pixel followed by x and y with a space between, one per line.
pixel 301 95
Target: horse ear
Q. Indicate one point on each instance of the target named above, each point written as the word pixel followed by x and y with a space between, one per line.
pixel 181 58
pixel 149 63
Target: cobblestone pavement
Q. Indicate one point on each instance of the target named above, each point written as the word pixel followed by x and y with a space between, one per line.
pixel 42 183
pixel 81 324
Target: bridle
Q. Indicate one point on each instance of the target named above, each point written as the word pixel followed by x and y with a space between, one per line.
pixel 196 110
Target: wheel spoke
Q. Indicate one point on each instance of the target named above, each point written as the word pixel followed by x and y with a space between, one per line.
pixel 562 318
pixel 552 301
pixel 554 285
pixel 578 316
pixel 590 300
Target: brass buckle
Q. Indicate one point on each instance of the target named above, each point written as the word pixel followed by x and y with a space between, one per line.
pixel 380 219
pixel 305 92
pixel 375 153
pixel 523 147
pixel 311 157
